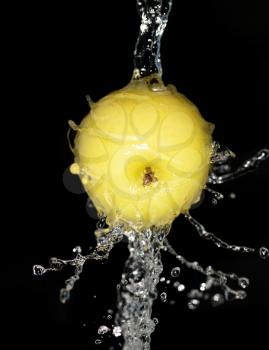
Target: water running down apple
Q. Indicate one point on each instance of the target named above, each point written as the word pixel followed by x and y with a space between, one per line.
pixel 144 155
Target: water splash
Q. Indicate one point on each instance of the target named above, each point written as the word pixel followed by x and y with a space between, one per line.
pixel 106 239
pixel 216 195
pixel 147 56
pixel 221 154
pixel 137 290
pixel 222 172
pixel 214 279
pixel 213 238
pixel 138 287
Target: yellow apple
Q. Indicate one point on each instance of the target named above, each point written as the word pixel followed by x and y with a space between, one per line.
pixel 143 154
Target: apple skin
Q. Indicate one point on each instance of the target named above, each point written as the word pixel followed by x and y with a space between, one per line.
pixel 143 156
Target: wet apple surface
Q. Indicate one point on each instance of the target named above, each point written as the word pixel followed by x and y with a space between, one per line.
pixel 143 154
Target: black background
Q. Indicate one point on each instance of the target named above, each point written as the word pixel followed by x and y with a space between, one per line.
pixel 216 53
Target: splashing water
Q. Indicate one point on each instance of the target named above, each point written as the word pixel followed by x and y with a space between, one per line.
pixel 147 55
pixel 138 288
pixel 214 278
pixel 221 171
pixel 217 241
pixel 106 239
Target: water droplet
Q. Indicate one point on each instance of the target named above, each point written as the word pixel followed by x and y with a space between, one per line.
pixel 64 295
pixel 38 270
pixel 155 320
pixel 117 331
pixel 103 330
pixel 110 311
pixel 168 281
pixel 214 201
pixel 217 299
pixel 175 271
pixel 264 252
pixel 98 341
pixel 232 195
pixel 243 282
pixel 241 294
pixel 162 279
pixel 163 297
pixel 202 287
pixel 77 250
pixel 181 288
pixel 109 317
pixel 193 304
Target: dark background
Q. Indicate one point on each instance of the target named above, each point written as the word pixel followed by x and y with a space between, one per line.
pixel 216 53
